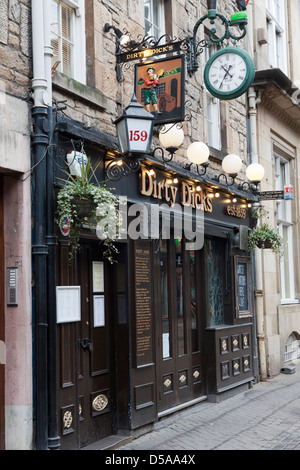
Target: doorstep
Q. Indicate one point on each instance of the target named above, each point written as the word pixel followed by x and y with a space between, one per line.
pixel 108 443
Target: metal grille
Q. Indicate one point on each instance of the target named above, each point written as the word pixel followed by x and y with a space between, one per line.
pixel 292 348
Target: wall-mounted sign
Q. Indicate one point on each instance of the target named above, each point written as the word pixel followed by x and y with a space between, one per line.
pixel 180 193
pixel 68 304
pixel 64 226
pixel 289 192
pixel 99 310
pixel 159 87
pixel 150 52
pixel 243 287
pixel 98 276
pixel 236 211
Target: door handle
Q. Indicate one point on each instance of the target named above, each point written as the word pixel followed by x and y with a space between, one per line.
pixel 86 344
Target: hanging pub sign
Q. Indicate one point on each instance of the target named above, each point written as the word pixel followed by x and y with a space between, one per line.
pixel 150 52
pixel 159 87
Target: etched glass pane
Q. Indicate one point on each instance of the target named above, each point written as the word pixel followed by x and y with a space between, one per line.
pixel 165 321
pixel 193 287
pixel 214 255
pixel 179 297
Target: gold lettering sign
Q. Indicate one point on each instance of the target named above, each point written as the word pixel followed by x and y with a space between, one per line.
pixel 166 191
pixel 236 211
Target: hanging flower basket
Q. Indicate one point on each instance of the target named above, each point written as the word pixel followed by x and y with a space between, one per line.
pixel 265 237
pixel 85 203
pixel 85 207
pixel 267 244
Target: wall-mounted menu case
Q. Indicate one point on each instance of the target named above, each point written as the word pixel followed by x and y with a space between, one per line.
pixel 243 289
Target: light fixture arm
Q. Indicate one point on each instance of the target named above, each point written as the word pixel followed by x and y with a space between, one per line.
pixel 232 176
pixel 195 48
pixel 166 159
pixel 252 186
pixel 203 166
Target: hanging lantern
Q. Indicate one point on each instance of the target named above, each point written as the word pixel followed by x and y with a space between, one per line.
pixel 134 129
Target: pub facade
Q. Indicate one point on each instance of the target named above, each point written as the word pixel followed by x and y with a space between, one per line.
pixel 170 324
pixel 109 348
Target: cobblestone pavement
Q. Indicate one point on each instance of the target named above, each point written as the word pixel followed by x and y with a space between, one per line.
pixel 265 417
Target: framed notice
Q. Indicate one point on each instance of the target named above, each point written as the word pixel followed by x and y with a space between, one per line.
pixel 68 304
pixel 243 287
pixel 98 276
pixel 99 310
pixel 166 92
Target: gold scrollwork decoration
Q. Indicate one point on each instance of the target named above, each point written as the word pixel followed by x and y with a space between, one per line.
pixel 196 374
pixel 100 402
pixel 224 345
pixel 235 342
pixel 67 419
pixel 167 383
pixel 182 378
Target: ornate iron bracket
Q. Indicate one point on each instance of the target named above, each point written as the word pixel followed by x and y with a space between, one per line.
pixel 147 46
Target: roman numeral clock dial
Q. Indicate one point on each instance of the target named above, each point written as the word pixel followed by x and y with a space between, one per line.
pixel 228 73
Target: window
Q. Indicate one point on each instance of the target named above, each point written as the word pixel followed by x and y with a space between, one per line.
pixel 213 128
pixel 154 18
pixel 284 220
pixel 292 348
pixel 276 34
pixel 68 37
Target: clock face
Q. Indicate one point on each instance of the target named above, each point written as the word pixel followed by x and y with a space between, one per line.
pixel 229 73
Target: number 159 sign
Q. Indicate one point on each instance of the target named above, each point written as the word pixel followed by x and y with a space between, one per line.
pixel 139 135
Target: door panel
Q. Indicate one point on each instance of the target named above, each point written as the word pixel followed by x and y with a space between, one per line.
pixel 85 364
pixel 178 333
pixel 94 379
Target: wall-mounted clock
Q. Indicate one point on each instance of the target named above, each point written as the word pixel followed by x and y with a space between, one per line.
pixel 228 73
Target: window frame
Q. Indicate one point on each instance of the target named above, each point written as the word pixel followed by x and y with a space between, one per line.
pixel 78 55
pixel 276 31
pixel 212 107
pixel 284 222
pixel 161 16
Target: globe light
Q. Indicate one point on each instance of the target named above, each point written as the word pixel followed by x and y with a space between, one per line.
pixel 232 164
pixel 198 153
pixel 171 136
pixel 255 172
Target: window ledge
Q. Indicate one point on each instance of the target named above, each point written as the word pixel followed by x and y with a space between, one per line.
pixel 217 154
pixel 78 90
pixel 289 301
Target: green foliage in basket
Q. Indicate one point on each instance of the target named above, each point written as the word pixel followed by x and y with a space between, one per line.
pixel 101 210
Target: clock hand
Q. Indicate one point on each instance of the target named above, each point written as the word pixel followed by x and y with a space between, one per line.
pixel 227 73
pixel 223 80
pixel 227 70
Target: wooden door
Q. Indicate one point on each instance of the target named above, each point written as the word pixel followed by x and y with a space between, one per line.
pixel 2 339
pixel 95 368
pixel 85 360
pixel 180 371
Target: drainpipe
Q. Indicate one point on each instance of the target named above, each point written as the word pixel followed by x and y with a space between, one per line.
pixel 53 437
pixel 253 101
pixel 39 248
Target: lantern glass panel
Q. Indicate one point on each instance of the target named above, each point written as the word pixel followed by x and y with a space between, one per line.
pixel 122 135
pixel 139 135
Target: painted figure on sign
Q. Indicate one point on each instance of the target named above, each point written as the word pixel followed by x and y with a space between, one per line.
pixel 151 82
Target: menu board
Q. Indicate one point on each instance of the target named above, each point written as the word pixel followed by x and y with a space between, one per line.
pixel 242 284
pixel 143 304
